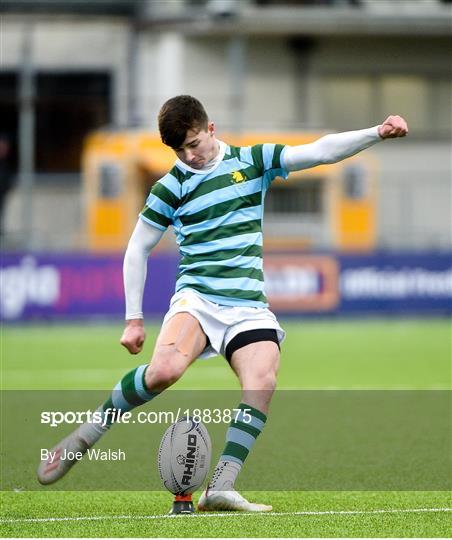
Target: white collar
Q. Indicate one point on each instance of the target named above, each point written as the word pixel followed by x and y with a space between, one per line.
pixel 211 165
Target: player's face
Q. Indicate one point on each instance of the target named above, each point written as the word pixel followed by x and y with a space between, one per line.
pixel 199 147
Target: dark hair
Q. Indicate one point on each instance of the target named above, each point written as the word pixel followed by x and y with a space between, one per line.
pixel 177 116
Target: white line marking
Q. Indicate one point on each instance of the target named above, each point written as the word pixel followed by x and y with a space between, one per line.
pixel 227 514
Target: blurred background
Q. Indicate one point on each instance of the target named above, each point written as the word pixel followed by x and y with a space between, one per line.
pixel 81 84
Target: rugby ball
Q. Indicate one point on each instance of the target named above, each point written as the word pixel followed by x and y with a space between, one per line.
pixel 184 456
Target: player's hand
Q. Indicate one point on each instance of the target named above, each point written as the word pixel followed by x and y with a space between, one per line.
pixel 133 336
pixel 392 127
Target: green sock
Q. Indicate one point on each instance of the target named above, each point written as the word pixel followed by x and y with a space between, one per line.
pixel 130 392
pixel 240 437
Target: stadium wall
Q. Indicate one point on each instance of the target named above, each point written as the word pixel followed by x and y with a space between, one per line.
pixel 314 83
pixel 41 287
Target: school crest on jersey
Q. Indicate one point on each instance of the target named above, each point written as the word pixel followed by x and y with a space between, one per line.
pixel 237 177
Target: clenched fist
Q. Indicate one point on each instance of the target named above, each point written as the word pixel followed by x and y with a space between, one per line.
pixel 392 127
pixel 133 336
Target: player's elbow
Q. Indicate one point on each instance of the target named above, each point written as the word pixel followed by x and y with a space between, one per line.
pixel 329 159
pixel 326 154
pixel 136 250
pixel 326 151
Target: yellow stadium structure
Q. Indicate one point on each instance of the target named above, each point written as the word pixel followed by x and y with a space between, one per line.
pixel 120 167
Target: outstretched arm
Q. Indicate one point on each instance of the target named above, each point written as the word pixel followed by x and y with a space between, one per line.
pixel 143 239
pixel 338 146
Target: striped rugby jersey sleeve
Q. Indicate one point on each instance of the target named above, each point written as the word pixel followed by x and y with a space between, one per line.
pixel 163 201
pixel 268 157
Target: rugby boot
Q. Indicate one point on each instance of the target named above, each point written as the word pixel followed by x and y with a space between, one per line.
pixel 61 458
pixel 230 501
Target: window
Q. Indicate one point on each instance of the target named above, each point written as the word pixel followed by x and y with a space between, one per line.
pixel 354 101
pixel 111 181
pixel 441 113
pixel 347 102
pixel 67 107
pixel 9 114
pixel 407 96
pixel 355 182
pixel 303 198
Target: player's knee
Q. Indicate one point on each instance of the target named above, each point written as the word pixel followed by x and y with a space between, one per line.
pixel 267 382
pixel 163 371
pixel 260 382
pixel 258 391
pixel 159 377
pixel 265 377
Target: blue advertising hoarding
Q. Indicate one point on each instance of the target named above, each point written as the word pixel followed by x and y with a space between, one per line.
pixel 77 286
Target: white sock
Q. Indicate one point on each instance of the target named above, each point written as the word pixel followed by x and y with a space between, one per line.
pixel 92 432
pixel 224 476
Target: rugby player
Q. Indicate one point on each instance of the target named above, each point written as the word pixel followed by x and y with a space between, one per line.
pixel 213 197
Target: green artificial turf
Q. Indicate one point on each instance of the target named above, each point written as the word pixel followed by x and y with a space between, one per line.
pixel 359 354
pixel 296 514
pixel 367 354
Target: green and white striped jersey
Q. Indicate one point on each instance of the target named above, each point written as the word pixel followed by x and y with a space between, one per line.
pixel 217 216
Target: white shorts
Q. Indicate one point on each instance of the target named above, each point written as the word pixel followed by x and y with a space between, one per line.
pixel 222 323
